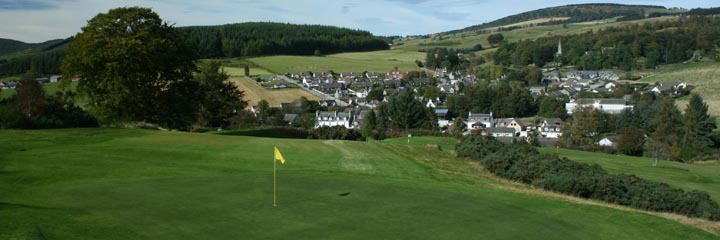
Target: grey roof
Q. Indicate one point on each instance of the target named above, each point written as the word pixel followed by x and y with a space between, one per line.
pixel 617 101
pixel 501 130
pixel 612 138
pixel 553 121
pixel 441 112
pixel 290 117
pixel 326 114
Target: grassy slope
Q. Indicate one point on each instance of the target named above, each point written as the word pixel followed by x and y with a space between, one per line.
pixel 705 76
pixel 705 177
pixel 137 184
pixel 377 61
pixel 254 93
pixel 470 39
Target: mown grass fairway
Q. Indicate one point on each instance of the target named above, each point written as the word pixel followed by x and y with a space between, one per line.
pixel 377 61
pixel 254 93
pixel 703 177
pixel 140 184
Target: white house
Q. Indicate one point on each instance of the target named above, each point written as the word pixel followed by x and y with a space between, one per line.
pixel 672 87
pixel 550 128
pixel 610 141
pixel 501 132
pixel 607 105
pixel 332 119
pixel 513 123
pixel 479 120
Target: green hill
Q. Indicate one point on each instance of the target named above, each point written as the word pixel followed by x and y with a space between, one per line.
pixel 141 184
pixel 9 46
pixel 571 14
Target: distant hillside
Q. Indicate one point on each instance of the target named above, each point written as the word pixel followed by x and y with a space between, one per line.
pixel 572 13
pixel 9 46
pixel 264 38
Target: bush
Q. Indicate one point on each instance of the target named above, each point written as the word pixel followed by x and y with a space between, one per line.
pixel 525 164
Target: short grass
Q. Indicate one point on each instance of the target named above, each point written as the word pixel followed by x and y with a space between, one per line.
pixel 376 61
pixel 141 184
pixel 705 76
pixel 254 93
pixel 703 177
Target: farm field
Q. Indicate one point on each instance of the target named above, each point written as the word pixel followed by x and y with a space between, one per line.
pixel 254 93
pixel 142 184
pixel 376 61
pixel 704 177
pixel 470 39
pixel 239 72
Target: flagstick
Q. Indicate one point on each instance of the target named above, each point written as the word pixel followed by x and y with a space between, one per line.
pixel 274 181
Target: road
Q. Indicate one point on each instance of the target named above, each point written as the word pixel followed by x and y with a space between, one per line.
pixel 315 92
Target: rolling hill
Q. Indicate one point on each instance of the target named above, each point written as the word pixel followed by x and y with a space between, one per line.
pixel 141 184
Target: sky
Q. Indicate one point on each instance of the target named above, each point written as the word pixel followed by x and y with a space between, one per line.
pixel 41 20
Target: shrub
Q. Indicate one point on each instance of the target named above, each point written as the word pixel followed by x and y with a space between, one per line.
pixel 523 163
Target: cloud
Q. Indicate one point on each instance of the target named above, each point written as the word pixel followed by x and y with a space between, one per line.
pixel 347 7
pixel 27 5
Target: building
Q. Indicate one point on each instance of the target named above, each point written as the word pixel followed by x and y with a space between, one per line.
pixel 290 118
pixel 513 123
pixel 477 120
pixel 610 141
pixel 669 87
pixel 550 128
pixel 500 132
pixel 334 118
pixel 607 105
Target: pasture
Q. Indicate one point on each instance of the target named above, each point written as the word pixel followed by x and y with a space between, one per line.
pixel 142 184
pixel 376 61
pixel 705 76
pixel 254 92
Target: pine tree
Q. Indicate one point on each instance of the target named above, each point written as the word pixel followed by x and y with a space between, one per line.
pixel 698 127
pixel 667 125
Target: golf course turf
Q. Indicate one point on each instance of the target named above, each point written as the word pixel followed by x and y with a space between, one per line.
pixel 142 184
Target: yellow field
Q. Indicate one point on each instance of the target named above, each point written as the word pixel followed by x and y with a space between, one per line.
pixel 254 93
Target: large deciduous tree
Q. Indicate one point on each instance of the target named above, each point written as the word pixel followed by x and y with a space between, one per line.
pixel 134 66
pixel 222 99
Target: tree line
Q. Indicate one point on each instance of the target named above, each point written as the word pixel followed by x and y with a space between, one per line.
pixel 259 38
pixel 631 47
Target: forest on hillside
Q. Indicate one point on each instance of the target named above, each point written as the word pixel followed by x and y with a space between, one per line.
pixel 256 39
pixel 232 40
pixel 632 47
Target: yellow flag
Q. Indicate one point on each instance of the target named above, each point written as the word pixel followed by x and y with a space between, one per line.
pixel 278 156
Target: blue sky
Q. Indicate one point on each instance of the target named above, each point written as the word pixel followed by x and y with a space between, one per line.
pixel 40 20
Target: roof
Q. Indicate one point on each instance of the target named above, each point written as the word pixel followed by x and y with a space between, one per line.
pixel 553 121
pixel 326 114
pixel 602 101
pixel 612 138
pixel 441 112
pixel 289 117
pixel 501 130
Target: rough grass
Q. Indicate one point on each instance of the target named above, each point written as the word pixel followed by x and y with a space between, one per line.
pixel 376 61
pixel 703 177
pixel 140 184
pixel 705 76
pixel 254 93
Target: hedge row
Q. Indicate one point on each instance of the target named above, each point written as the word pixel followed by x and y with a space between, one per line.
pixel 523 163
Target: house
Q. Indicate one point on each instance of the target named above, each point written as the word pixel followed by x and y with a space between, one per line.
pixel 609 141
pixel 583 74
pixel 610 86
pixel 290 118
pixel 334 118
pixel 669 87
pixel 43 80
pixel 500 132
pixel 396 74
pixel 550 128
pixel 607 105
pixel 431 104
pixel 330 86
pixel 55 78
pixel 513 123
pixel 441 113
pixel 328 103
pixel 479 121
pixel 446 88
pixel 417 82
